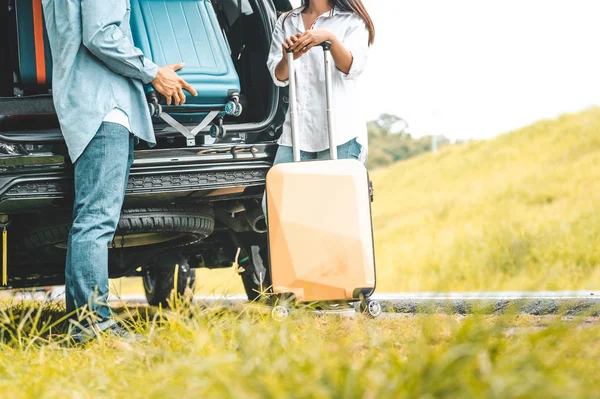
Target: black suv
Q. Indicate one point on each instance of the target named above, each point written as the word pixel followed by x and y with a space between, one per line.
pixel 192 206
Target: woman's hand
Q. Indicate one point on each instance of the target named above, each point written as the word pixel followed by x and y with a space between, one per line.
pixel 310 39
pixel 282 70
pixel 289 43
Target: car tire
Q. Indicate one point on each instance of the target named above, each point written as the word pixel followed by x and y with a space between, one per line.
pixel 159 279
pixel 191 223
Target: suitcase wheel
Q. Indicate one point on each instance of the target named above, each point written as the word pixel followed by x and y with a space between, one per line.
pixel 369 308
pixel 280 313
pixel 218 130
pixel 233 108
pixel 214 131
pixel 155 109
pixel 230 108
pixel 238 109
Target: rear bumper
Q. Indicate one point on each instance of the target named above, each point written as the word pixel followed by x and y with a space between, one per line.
pixel 30 183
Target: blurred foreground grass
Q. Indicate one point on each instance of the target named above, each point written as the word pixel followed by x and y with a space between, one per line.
pixel 241 353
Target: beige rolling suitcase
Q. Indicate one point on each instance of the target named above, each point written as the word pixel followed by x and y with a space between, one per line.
pixel 320 229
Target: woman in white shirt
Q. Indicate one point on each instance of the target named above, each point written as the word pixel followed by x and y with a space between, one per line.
pixel 349 28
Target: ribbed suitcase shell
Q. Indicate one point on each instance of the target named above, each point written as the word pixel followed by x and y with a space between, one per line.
pixel 174 31
pixel 320 230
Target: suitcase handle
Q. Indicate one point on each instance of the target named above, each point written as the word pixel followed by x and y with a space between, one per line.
pixel 294 107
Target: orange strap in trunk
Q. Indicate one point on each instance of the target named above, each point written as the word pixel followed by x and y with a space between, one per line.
pixel 38 34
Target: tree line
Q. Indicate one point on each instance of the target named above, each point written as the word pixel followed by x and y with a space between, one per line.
pixel 388 143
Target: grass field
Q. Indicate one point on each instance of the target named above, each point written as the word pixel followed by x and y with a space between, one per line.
pixel 241 353
pixel 520 212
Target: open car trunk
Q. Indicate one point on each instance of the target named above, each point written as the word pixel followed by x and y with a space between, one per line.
pixel 26 110
pixel 221 182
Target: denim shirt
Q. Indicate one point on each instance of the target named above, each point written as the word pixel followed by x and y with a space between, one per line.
pixel 96 69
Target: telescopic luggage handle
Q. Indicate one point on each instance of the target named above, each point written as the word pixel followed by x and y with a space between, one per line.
pixel 294 108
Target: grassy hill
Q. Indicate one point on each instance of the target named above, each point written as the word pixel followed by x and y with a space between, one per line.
pixel 521 211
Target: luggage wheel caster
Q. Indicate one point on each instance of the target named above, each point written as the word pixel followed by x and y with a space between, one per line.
pixel 238 109
pixel 155 109
pixel 230 108
pixel 218 131
pixel 233 107
pixel 280 313
pixel 369 308
pixel 214 131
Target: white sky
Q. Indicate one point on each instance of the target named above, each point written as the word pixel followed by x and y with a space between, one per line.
pixel 478 68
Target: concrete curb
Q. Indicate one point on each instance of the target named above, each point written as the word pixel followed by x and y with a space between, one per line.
pixel 531 306
pixel 532 303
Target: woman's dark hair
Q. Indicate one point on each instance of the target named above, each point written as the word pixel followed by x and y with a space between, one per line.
pixel 355 6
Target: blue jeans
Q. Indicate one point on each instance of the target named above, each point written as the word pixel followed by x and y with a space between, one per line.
pixel 349 150
pixel 101 175
pixel 285 154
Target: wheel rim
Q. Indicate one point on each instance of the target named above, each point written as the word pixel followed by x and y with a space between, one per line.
pixel 374 308
pixel 138 240
pixel 143 239
pixel 279 313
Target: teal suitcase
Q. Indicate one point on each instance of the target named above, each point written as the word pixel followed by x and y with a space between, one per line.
pixel 188 31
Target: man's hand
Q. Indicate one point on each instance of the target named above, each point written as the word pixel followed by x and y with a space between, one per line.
pixel 310 39
pixel 171 85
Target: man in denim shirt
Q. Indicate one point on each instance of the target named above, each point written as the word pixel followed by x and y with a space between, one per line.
pixel 98 77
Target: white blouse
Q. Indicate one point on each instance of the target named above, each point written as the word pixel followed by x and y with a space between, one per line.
pixel 310 82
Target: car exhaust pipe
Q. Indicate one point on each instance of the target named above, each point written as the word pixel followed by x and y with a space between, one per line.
pixel 256 218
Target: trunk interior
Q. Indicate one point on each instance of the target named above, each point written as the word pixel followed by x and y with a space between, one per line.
pixel 27 111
